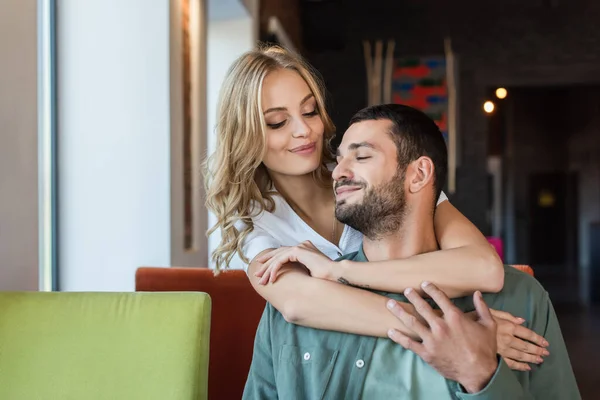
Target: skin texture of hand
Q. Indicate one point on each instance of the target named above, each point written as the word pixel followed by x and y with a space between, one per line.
pixel 517 344
pixel 318 264
pixel 455 345
pixel 515 351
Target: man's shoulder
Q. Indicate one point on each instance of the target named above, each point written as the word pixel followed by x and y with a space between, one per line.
pixel 515 279
pixel 521 295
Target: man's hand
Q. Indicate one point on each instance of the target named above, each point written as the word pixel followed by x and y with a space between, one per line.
pixel 516 344
pixel 319 265
pixel 459 348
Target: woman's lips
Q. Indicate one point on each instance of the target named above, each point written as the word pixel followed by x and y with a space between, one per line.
pixel 305 149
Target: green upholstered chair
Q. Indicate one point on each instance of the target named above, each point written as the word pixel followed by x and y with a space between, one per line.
pixel 92 346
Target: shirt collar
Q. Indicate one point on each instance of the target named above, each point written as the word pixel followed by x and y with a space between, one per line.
pixel 360 255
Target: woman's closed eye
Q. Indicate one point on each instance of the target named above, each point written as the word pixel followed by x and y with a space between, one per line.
pixel 362 158
pixel 313 113
pixel 276 125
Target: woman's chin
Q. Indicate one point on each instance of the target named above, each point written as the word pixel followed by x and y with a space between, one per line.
pixel 300 169
pixel 292 165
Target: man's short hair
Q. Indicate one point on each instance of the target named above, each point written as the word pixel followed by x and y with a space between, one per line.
pixel 415 135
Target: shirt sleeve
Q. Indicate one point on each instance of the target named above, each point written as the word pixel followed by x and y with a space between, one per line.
pixel 503 385
pixel 553 379
pixel 261 378
pixel 442 198
pixel 257 241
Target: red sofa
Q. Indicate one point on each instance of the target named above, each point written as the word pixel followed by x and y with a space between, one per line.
pixel 236 311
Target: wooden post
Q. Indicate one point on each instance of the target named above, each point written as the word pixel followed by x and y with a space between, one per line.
pixel 379 74
pixel 452 114
pixel 388 71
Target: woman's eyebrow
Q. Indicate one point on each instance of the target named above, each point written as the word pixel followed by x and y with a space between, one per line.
pixel 275 109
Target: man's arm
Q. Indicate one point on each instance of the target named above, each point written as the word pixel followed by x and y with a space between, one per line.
pixel 553 379
pixel 503 385
pixel 261 378
pixel 459 349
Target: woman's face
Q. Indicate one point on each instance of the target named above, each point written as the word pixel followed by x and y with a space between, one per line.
pixel 294 127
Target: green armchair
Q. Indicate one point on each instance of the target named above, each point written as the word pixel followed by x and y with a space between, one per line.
pixel 92 346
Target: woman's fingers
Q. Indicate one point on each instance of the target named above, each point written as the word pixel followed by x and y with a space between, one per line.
pixel 275 270
pixel 517 355
pixel 266 274
pixel 526 347
pixel 531 336
pixel 261 270
pixel 268 255
pixel 517 366
pixel 507 316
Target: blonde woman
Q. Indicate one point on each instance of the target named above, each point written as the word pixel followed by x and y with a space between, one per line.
pixel 269 185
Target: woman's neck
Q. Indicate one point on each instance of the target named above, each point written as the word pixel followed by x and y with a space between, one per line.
pixel 304 194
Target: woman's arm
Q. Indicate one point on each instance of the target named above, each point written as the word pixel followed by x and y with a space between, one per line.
pixel 466 263
pixel 321 304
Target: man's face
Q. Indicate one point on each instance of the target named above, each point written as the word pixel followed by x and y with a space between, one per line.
pixel 369 186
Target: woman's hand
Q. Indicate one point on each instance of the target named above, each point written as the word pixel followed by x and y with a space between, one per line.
pixel 318 264
pixel 517 344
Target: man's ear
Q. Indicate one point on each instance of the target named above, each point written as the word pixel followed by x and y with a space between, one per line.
pixel 421 174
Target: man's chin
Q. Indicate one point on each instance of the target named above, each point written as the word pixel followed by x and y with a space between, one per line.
pixel 343 205
pixel 349 201
pixel 344 210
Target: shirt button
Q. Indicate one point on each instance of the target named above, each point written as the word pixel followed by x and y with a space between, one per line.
pixel 360 363
pixel 339 254
pixel 307 356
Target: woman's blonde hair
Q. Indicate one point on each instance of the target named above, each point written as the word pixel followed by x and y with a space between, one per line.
pixel 238 185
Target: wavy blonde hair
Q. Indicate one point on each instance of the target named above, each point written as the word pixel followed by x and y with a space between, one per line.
pixel 238 186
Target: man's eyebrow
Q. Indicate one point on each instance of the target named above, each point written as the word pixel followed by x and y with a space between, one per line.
pixel 274 109
pixel 354 146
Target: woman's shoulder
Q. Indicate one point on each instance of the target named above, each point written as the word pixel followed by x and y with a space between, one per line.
pixel 278 221
pixel 281 210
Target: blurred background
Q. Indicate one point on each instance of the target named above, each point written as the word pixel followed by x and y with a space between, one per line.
pixel 107 109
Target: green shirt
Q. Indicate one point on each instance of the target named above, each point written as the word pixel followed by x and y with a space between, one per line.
pixel 296 362
pixel 386 378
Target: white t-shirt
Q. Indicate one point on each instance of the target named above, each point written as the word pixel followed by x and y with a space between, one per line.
pixel 283 227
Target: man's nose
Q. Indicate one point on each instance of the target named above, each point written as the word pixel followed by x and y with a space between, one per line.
pixel 341 171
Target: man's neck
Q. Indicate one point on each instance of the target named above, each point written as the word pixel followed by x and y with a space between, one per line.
pixel 415 236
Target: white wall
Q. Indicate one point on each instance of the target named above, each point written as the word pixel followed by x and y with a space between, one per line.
pixel 227 40
pixel 113 138
pixel 18 146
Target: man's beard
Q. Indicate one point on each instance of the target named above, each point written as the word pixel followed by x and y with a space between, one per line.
pixel 381 211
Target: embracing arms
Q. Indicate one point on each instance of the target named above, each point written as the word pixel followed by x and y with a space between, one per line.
pixel 466 263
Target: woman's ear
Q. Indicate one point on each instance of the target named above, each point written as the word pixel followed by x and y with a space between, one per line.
pixel 421 175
